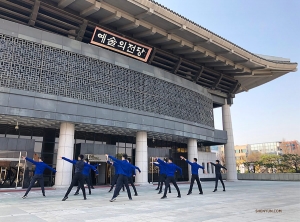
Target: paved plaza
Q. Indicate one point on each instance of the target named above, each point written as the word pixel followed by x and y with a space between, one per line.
pixel 242 201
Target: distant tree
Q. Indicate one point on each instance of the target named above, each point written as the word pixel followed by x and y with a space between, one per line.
pixel 291 161
pixel 253 159
pixel 270 161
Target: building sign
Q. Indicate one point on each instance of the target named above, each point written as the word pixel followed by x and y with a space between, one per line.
pixel 120 44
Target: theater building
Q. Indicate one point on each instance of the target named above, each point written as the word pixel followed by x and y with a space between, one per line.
pixel 116 76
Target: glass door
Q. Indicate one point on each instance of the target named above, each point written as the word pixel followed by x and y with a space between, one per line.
pixel 12 169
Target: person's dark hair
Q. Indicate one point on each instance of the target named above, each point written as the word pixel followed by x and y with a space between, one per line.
pixel 87 160
pixel 166 159
pixel 81 156
pixel 171 159
pixel 218 161
pixel 195 159
pixel 125 156
pixel 129 159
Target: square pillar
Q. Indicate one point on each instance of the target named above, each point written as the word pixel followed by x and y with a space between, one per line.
pixel 141 158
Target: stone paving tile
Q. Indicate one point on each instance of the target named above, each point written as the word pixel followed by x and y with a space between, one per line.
pixel 238 203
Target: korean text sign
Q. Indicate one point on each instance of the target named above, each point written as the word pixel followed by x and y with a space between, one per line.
pixel 120 44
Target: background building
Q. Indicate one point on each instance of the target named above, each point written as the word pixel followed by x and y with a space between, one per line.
pixel 115 77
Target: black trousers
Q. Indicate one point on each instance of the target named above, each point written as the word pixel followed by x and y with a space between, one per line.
pixel 162 180
pixel 168 181
pixel 91 181
pixel 78 177
pixel 36 177
pixel 87 180
pixel 114 181
pixel 122 180
pixel 130 180
pixel 219 177
pixel 195 177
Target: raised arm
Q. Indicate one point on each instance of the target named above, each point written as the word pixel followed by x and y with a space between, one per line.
pixel 115 159
pixel 212 164
pixel 30 160
pixel 70 161
pixel 161 162
pixel 156 164
pixel 188 162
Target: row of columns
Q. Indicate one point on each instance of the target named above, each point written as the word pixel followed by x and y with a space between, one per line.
pixel 63 176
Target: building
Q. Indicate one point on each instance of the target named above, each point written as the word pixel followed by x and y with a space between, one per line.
pixel 265 148
pixel 116 76
pixel 292 147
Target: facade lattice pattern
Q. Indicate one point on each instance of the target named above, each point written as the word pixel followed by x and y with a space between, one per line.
pixel 39 68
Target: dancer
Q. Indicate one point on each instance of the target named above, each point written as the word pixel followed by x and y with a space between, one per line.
pixel 218 167
pixel 115 178
pixel 162 176
pixel 125 171
pixel 40 167
pixel 78 177
pixel 195 176
pixel 86 172
pixel 170 171
pixel 130 178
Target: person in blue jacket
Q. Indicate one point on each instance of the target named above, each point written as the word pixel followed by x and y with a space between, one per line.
pixel 130 178
pixel 78 176
pixel 86 173
pixel 125 172
pixel 115 178
pixel 171 168
pixel 162 176
pixel 40 167
pixel 195 176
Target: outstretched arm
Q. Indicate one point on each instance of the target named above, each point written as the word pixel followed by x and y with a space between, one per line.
pixel 179 169
pixel 50 168
pixel 137 169
pixel 156 164
pixel 114 158
pixel 161 162
pixel 30 160
pixel 212 164
pixel 200 166
pixel 70 161
pixel 224 167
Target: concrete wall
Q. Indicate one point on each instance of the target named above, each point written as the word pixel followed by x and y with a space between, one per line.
pixel 268 176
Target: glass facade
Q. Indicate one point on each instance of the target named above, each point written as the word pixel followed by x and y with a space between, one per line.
pixel 272 147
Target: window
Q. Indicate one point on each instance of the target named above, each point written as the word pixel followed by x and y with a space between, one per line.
pixel 203 165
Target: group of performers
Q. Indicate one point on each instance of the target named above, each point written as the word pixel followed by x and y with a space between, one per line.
pixel 124 173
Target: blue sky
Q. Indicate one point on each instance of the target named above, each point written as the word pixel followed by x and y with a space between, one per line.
pixel 270 112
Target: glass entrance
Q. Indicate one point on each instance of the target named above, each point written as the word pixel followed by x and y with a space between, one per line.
pixel 12 168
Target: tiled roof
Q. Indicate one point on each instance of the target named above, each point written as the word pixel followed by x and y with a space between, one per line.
pixel 194 23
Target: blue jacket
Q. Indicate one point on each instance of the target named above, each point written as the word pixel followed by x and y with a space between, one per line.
pixel 195 167
pixel 86 168
pixel 170 168
pixel 162 168
pixel 133 171
pixel 117 167
pixel 40 166
pixel 125 167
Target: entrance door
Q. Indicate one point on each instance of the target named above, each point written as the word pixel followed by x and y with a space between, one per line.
pixel 12 169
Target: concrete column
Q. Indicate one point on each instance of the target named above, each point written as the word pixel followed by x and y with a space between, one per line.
pixel 141 158
pixel 192 153
pixel 229 146
pixel 63 176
